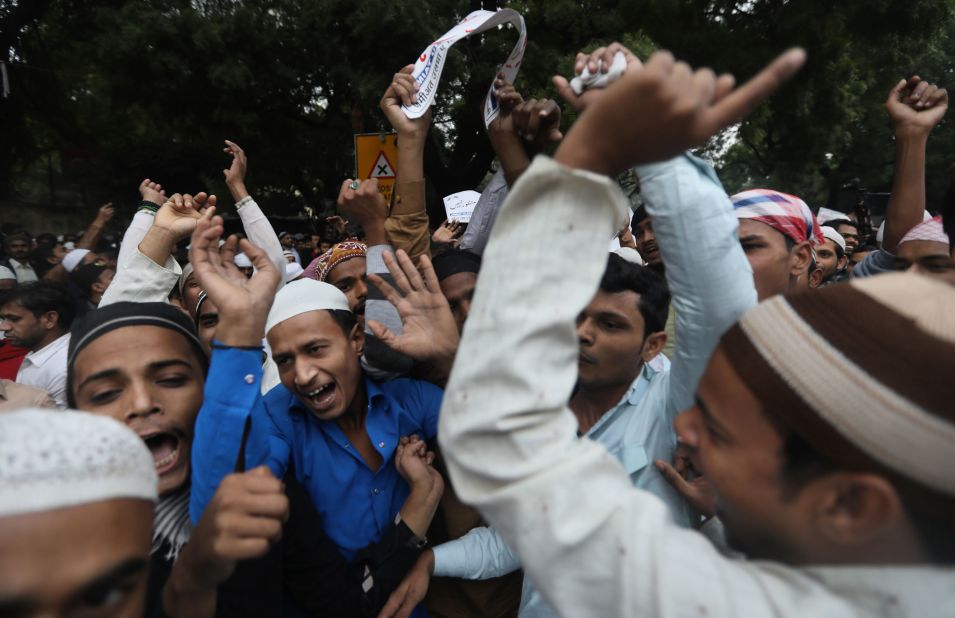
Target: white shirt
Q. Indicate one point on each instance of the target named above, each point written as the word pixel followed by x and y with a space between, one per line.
pixel 46 369
pixel 6 273
pixel 592 543
pixel 23 271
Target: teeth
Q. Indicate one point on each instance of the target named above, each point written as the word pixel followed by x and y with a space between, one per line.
pixel 167 459
pixel 319 390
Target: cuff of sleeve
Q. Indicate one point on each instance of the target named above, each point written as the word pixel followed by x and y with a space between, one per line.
pixel 244 362
pixel 245 201
pixel 374 259
pixel 449 560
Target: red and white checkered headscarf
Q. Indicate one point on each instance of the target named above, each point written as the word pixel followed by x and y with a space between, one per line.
pixel 785 213
pixel 927 230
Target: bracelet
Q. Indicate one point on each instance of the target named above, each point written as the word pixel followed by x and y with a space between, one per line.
pixel 147 205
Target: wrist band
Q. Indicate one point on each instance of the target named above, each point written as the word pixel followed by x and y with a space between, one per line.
pixel 147 205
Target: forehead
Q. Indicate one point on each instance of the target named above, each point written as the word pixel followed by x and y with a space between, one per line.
pixel 305 327
pixel 642 224
pixel 915 249
pixel 624 303
pixel 352 267
pixel 458 284
pixel 131 349
pixel 18 241
pixel 846 228
pixel 827 244
pixel 752 227
pixel 731 402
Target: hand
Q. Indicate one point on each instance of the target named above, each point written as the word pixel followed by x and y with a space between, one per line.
pixel 178 215
pixel 105 213
pixel 152 192
pixel 235 175
pixel 244 517
pixel 243 303
pixel 413 461
pixel 602 56
pixel 916 106
pixel 698 492
pixel 448 234
pixel 337 223
pixel 538 122
pixel 403 90
pixel 626 237
pixel 508 98
pixel 364 205
pixel 412 590
pixel 429 331
pixel 661 110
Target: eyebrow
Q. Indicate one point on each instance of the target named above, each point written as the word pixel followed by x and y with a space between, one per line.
pixel 126 568
pixel 613 315
pixel 750 237
pixel 709 418
pixel 114 372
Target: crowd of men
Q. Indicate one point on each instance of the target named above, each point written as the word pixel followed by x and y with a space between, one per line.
pixel 687 403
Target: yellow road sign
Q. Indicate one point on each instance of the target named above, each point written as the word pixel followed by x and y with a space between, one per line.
pixel 376 156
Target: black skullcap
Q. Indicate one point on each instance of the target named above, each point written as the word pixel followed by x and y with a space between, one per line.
pixel 86 275
pixel 106 319
pixel 639 214
pixel 455 261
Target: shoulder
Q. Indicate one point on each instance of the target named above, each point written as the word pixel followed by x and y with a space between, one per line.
pixel 408 389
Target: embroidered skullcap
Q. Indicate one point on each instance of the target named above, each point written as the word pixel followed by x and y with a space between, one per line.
pixel 106 319
pixel 455 261
pixel 57 459
pixel 301 296
pixel 927 230
pixel 293 270
pixel 787 214
pixel 186 271
pixel 323 264
pixel 242 260
pixel 72 259
pixel 863 372
pixel 830 233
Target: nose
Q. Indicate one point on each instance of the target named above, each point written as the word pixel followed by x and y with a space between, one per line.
pixel 687 425
pixel 6 326
pixel 142 403
pixel 361 289
pixel 464 308
pixel 585 332
pixel 304 372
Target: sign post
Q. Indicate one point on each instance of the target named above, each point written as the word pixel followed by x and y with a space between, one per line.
pixel 376 156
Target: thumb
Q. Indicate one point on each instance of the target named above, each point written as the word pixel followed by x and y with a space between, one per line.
pixel 895 95
pixel 739 104
pixel 673 477
pixel 565 91
pixel 262 471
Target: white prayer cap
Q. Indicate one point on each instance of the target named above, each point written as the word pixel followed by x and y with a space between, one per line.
pixel 831 234
pixel 57 459
pixel 827 214
pixel 72 259
pixel 242 260
pixel 631 255
pixel 293 270
pixel 301 296
pixel 69 246
pixel 186 271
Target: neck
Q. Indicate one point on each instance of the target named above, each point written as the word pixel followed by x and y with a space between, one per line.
pixel 50 337
pixel 354 416
pixel 589 404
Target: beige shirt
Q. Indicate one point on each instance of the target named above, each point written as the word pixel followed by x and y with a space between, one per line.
pixel 590 542
pixel 14 396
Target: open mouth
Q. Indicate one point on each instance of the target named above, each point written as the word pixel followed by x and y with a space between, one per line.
pixel 165 449
pixel 322 397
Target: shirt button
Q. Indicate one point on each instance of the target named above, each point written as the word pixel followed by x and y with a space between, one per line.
pixel 381 445
pixel 376 491
pixel 249 378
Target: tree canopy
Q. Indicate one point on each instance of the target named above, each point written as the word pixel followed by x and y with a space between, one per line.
pixel 104 93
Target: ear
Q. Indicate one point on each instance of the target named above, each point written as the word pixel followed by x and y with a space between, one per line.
pixel 800 257
pixel 98 287
pixel 50 319
pixel 856 510
pixel 357 339
pixel 653 345
pixel 841 264
pixel 815 278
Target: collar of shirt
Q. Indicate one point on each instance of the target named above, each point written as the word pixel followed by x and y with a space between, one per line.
pixel 41 356
pixel 630 399
pixel 20 265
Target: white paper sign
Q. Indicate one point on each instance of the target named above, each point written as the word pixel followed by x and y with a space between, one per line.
pixel 428 67
pixel 459 206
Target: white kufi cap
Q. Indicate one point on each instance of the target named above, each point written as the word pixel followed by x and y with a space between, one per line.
pixel 304 295
pixel 57 459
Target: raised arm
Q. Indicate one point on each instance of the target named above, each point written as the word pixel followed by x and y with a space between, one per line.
pixel 505 427
pixel 915 107
pixel 95 230
pixel 407 224
pixel 153 197
pixel 256 225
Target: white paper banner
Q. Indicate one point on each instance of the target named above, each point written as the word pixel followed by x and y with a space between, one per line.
pixel 460 206
pixel 428 67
